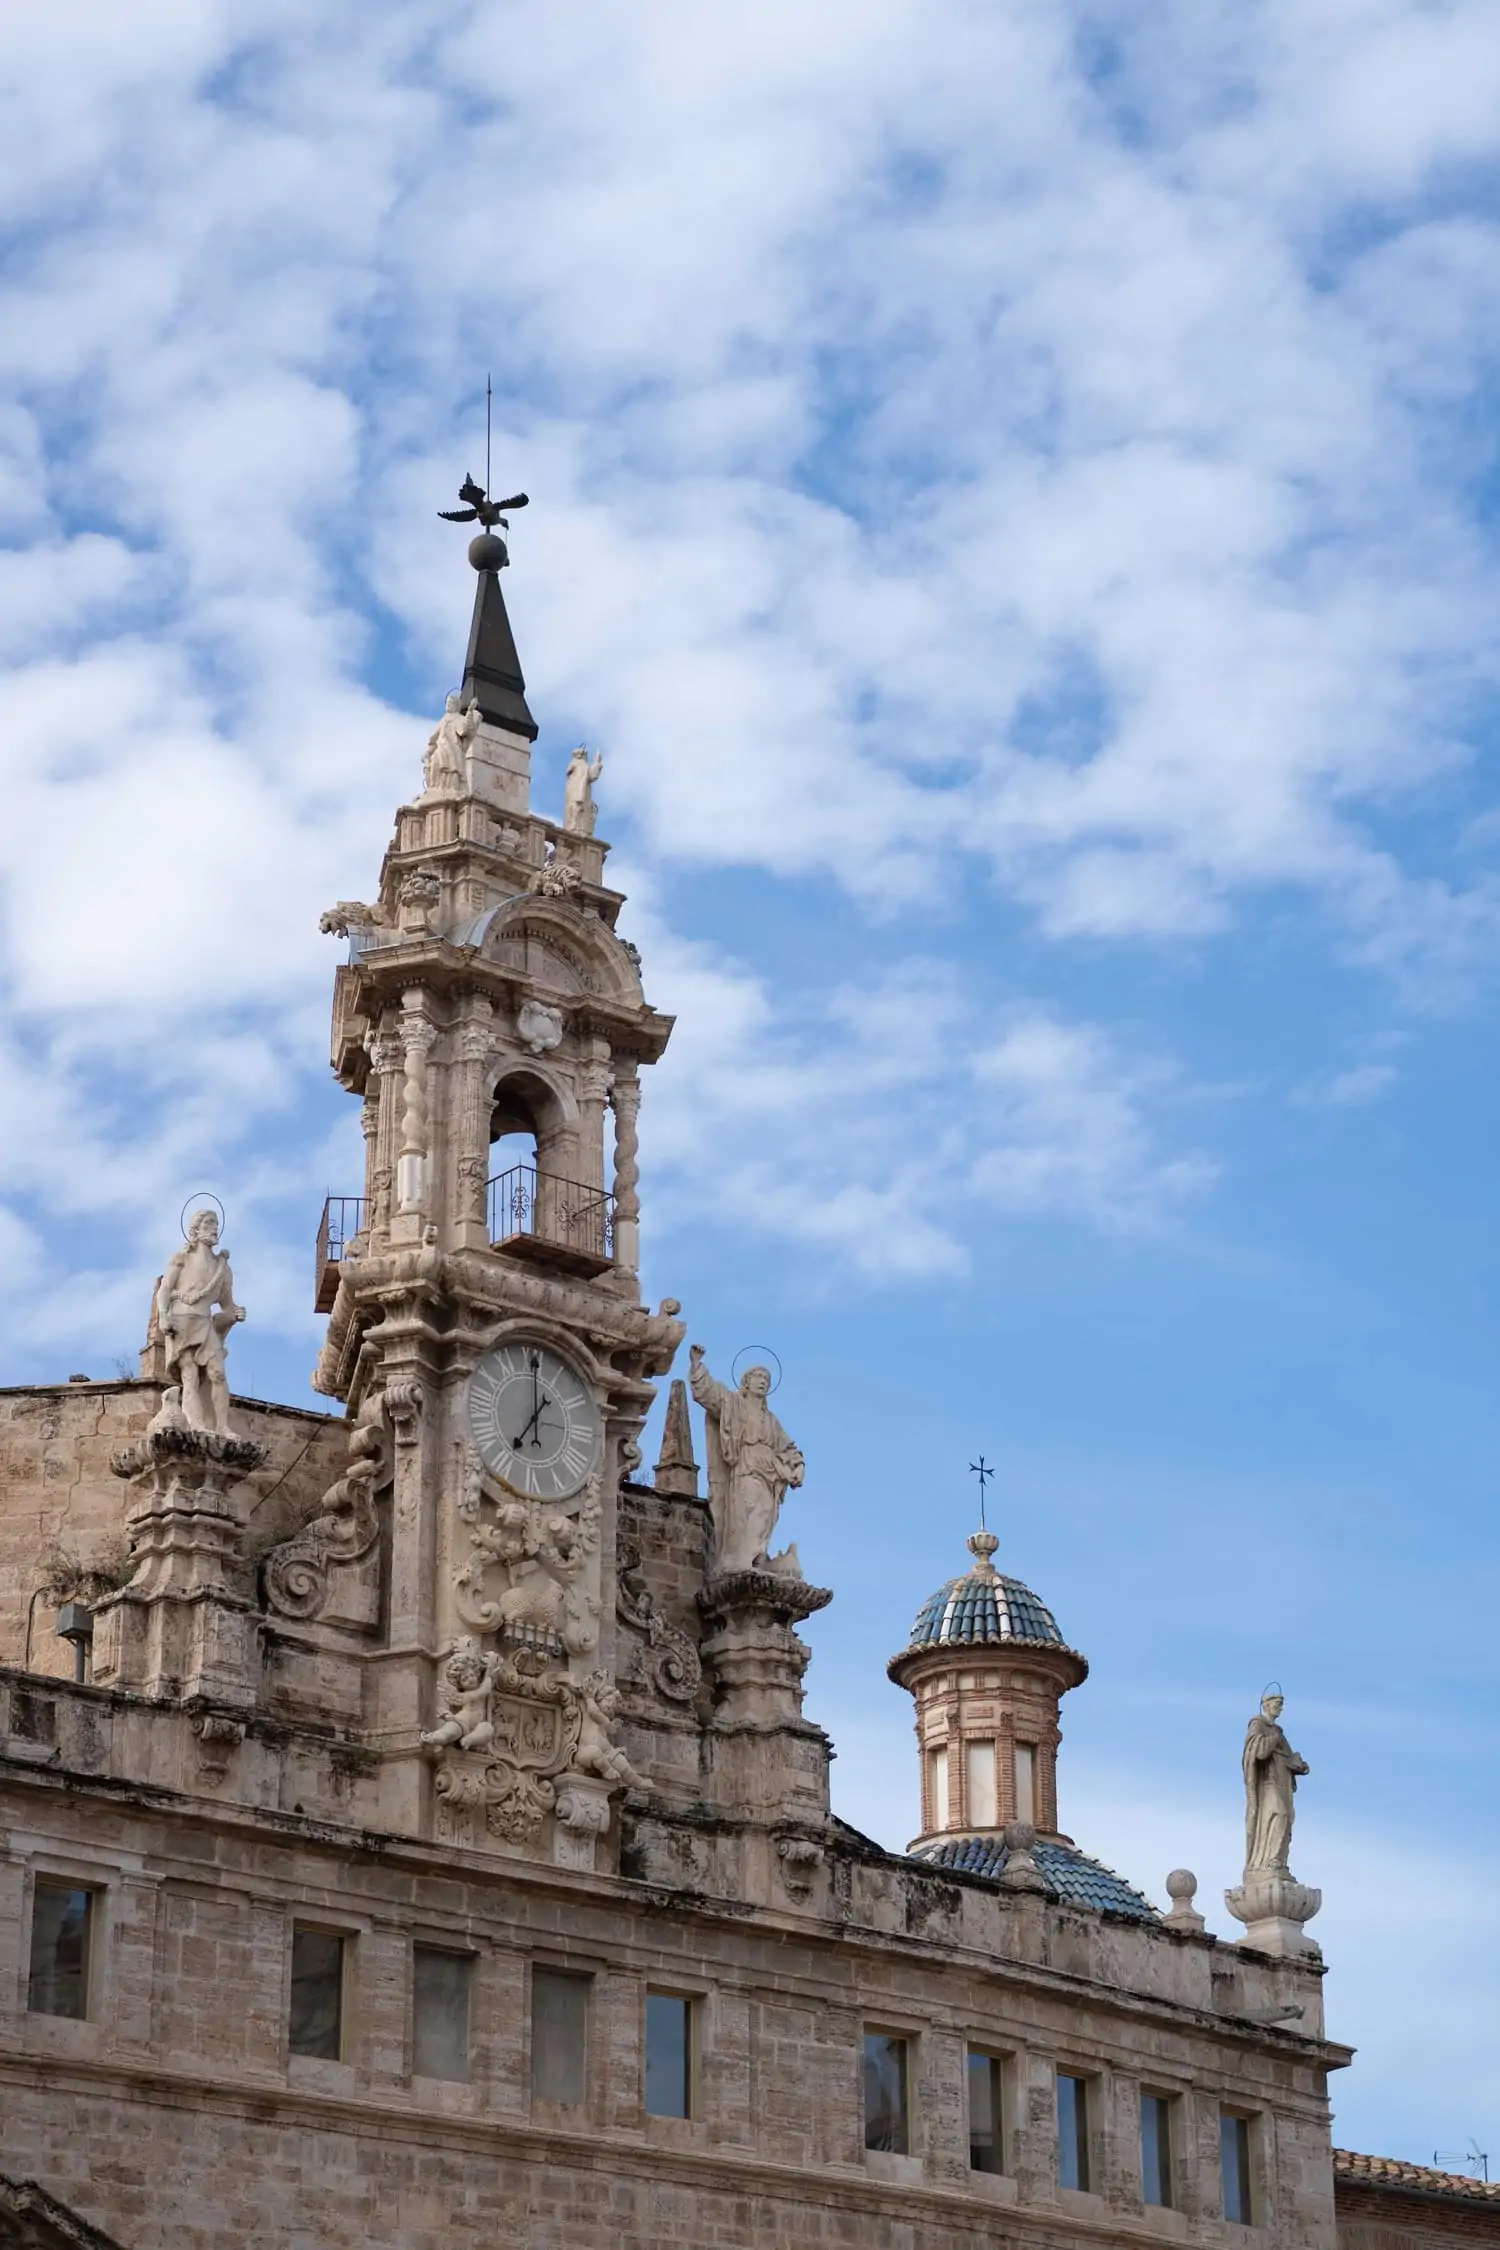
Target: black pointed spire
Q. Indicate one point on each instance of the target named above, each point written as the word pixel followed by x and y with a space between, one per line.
pixel 492 669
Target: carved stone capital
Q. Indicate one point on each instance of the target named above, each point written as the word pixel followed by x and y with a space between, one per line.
pixel 1273 1907
pixel 404 1404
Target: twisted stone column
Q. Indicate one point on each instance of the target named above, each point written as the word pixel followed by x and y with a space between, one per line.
pixel 625 1100
pixel 417 1036
pixel 475 1048
pixel 387 1058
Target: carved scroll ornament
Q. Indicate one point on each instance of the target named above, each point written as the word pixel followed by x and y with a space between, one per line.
pixel 295 1575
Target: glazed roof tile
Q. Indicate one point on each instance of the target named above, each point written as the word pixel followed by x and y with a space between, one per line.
pixel 1423 2179
pixel 984 1606
pixel 1072 1878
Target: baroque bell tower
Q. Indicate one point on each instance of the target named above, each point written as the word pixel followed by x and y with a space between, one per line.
pixel 487 1331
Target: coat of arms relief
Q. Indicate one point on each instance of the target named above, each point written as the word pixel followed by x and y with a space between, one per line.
pixel 525 1725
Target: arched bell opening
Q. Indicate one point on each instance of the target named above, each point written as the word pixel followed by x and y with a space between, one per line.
pixel 538 1206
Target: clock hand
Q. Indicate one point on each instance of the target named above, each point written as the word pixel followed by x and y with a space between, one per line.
pixel 538 1411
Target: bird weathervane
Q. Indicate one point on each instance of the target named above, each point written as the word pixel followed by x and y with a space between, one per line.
pixel 479 508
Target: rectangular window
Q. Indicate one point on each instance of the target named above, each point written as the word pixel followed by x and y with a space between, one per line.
pixel 61 1927
pixel 887 2123
pixel 669 2055
pixel 1234 2166
pixel 979 1761
pixel 442 1986
pixel 317 2019
pixel 559 2039
pixel 937 1785
pixel 986 2134
pixel 1026 1781
pixel 1156 2150
pixel 1072 2131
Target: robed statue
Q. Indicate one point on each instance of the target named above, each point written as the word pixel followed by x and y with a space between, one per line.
pixel 579 809
pixel 1271 1768
pixel 195 1310
pixel 445 764
pixel 751 1463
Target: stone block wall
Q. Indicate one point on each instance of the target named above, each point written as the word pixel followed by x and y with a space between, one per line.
pixel 57 1493
pixel 175 2115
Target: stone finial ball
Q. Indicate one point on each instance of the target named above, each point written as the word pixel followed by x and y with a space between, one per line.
pixel 488 551
pixel 1182 1885
pixel 1019 1836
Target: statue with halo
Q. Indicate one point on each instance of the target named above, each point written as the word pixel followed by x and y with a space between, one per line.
pixel 751 1464
pixel 1271 1903
pixel 193 1314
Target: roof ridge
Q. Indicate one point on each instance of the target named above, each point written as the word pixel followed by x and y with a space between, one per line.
pixel 1396 2171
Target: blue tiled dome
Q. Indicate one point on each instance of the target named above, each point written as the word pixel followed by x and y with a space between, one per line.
pixel 1071 1877
pixel 983 1606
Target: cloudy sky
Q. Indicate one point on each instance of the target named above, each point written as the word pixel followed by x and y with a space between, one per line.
pixel 1014 501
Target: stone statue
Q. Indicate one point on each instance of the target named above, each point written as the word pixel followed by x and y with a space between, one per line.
pixel 1270 1902
pixel 195 1310
pixel 445 770
pixel 598 1706
pixel 1271 1767
pixel 468 1691
pixel 579 808
pixel 751 1463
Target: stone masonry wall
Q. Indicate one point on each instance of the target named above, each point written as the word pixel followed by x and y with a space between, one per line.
pixel 175 2116
pixel 57 1491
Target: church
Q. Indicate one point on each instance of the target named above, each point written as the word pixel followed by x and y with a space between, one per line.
pixel 412 1831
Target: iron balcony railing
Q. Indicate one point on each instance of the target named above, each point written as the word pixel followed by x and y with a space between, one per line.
pixel 343 1218
pixel 561 1221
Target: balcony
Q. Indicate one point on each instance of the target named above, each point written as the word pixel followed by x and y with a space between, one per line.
pixel 558 1223
pixel 343 1218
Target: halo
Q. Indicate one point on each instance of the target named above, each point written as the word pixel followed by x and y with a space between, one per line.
pixel 1272 1687
pixel 198 1198
pixel 755 1355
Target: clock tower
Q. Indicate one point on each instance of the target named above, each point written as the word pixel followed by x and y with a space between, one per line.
pixel 487 1332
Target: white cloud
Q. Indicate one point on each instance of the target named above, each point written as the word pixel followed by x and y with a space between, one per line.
pixel 1350 1089
pixel 882 1123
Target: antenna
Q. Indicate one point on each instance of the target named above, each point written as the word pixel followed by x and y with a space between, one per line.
pixel 984 1472
pixel 1474 2159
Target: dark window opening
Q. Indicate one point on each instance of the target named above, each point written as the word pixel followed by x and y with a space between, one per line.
pixel 669 2055
pixel 1072 2131
pixel 1156 2150
pixel 442 1992
pixel 559 2039
pixel 986 2137
pixel 1234 2166
pixel 61 1928
pixel 317 2015
pixel 887 2122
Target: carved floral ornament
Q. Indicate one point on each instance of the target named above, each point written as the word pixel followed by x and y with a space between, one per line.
pixel 525 1730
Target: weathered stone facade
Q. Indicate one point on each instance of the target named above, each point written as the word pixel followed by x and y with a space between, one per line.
pixel 442 1680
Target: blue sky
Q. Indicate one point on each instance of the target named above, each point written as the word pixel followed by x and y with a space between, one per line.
pixel 1014 501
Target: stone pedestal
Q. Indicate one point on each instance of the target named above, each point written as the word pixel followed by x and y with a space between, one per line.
pixel 755 1659
pixel 1273 1906
pixel 765 1756
pixel 184 1626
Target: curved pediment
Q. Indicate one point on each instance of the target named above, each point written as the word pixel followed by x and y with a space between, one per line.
pixel 556 947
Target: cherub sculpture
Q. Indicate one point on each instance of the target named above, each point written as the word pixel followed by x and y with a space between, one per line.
pixel 468 1689
pixel 599 1704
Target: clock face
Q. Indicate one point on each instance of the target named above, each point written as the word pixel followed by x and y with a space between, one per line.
pixel 534 1420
